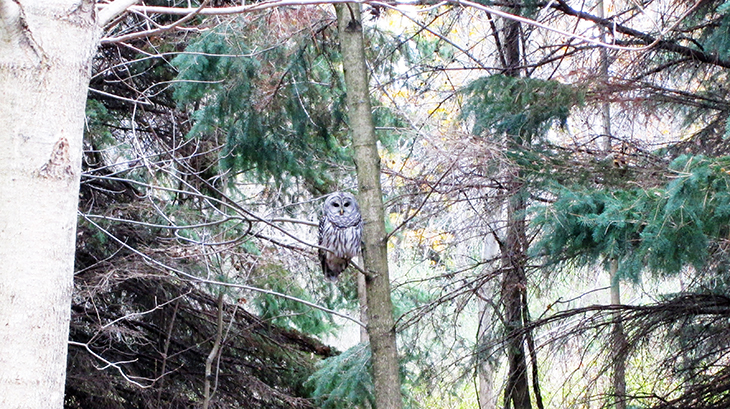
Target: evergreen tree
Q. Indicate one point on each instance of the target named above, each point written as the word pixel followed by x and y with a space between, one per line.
pixel 280 111
pixel 272 104
pixel 160 220
pixel 657 211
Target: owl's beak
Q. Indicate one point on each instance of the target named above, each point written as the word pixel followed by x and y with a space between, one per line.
pixel 342 211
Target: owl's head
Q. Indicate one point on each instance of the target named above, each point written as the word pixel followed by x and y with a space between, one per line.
pixel 341 208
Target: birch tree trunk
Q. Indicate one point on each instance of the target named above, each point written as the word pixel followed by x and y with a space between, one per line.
pixel 46 47
pixel 381 329
pixel 487 367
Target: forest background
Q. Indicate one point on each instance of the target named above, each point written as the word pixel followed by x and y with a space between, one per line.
pixel 538 158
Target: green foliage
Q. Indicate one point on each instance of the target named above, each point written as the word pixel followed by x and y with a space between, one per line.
pixel 388 52
pixel 716 38
pixel 583 226
pixel 663 229
pixel 287 313
pixel 281 110
pixel 344 381
pixel 518 107
pixel 98 119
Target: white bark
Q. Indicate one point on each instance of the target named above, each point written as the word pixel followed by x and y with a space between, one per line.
pixel 486 368
pixel 46 48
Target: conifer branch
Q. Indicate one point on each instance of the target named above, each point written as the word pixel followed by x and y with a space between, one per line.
pixel 201 280
pixel 650 42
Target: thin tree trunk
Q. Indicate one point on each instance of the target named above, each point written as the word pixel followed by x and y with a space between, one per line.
pixel 533 354
pixel 619 339
pixel 605 106
pixel 209 376
pixel 514 248
pixel 381 329
pixel 618 343
pixel 486 366
pixel 514 281
pixel 165 350
pixel 46 48
pixel 362 295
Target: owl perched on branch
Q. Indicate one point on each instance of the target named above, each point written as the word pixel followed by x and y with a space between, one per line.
pixel 340 230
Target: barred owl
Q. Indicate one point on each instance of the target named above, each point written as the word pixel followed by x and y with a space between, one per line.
pixel 340 230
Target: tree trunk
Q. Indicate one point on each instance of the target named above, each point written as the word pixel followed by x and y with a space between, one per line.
pixel 605 106
pixel 514 281
pixel 213 355
pixel 486 365
pixel 619 339
pixel 362 296
pixel 46 49
pixel 381 329
pixel 514 247
pixel 618 342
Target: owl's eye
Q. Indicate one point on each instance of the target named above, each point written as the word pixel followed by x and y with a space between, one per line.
pixel 336 204
pixel 347 204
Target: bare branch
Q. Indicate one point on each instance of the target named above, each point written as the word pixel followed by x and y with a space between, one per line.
pixel 214 11
pixel 117 366
pixel 158 30
pixel 139 314
pixel 107 12
pixel 194 278
pixel 658 41
pixel 213 353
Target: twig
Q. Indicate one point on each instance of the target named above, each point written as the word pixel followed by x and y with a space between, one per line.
pixel 263 5
pixel 213 282
pixel 116 365
pixel 154 31
pixel 213 352
pixel 139 314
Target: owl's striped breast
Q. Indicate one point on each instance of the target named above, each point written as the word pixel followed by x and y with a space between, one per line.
pixel 344 242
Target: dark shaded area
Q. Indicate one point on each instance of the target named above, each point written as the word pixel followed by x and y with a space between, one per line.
pixel 164 341
pixel 140 333
pixel 158 329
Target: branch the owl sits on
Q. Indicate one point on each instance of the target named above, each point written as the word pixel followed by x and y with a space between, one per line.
pixel 340 230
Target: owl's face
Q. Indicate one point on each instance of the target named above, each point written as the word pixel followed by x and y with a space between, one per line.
pixel 341 209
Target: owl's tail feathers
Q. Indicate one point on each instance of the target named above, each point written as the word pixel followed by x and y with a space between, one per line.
pixel 330 275
pixel 332 267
